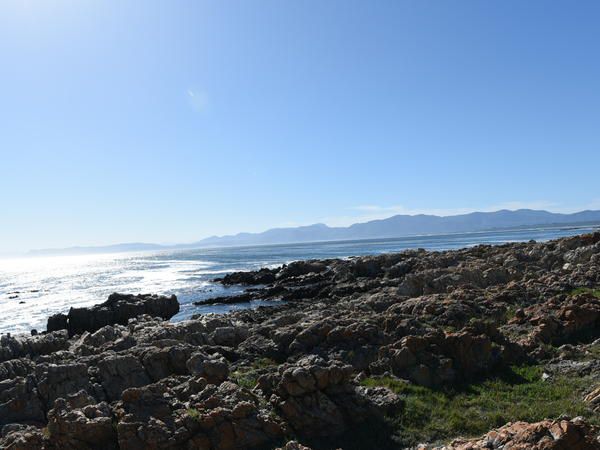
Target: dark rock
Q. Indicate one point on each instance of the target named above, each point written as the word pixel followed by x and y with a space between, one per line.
pixel 57 322
pixel 262 276
pixel 12 347
pixel 81 426
pixel 119 372
pixel 19 401
pixel 118 309
pixel 214 367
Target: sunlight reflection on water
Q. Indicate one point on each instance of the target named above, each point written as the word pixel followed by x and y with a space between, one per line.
pixel 31 289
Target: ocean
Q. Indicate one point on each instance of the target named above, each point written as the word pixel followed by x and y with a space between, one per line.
pixel 31 289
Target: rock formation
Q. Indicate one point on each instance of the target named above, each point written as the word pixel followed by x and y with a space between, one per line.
pixel 547 435
pixel 120 376
pixel 118 309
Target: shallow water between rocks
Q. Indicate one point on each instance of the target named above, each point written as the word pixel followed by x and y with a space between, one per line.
pixel 32 289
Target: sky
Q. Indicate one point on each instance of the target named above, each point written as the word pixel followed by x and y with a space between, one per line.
pixel 170 121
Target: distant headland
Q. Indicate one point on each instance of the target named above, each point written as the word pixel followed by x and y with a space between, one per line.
pixel 393 227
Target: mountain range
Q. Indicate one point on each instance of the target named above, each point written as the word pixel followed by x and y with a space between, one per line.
pixel 392 227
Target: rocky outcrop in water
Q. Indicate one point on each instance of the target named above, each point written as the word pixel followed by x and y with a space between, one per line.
pixel 306 370
pixel 118 309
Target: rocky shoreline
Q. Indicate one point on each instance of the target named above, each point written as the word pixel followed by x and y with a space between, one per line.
pixel 360 354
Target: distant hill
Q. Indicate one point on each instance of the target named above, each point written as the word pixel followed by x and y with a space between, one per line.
pixel 116 248
pixel 405 225
pixel 392 227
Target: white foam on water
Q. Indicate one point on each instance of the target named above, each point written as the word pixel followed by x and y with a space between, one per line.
pixel 45 286
pixel 48 285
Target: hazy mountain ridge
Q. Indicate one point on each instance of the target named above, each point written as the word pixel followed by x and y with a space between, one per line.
pixel 406 225
pixel 115 248
pixel 392 227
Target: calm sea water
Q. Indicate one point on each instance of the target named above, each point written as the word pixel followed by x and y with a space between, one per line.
pixel 31 289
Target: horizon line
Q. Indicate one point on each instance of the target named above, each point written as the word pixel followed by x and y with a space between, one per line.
pixel 159 246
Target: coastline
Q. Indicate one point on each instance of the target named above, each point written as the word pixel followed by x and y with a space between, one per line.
pixel 355 347
pixel 53 285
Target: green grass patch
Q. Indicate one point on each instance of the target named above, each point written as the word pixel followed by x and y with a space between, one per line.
pixel 431 415
pixel 263 363
pixel 193 413
pixel 583 290
pixel 593 352
pixel 244 379
pixel 510 312
pixel 247 376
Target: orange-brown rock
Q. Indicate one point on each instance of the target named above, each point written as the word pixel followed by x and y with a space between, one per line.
pixel 564 434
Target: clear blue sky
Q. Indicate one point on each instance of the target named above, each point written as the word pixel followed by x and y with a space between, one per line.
pixel 168 121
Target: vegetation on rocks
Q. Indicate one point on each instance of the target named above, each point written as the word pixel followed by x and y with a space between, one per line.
pixel 247 376
pixel 588 291
pixel 517 394
pixel 381 351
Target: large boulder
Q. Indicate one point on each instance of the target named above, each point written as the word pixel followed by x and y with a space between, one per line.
pixel 212 367
pixel 56 381
pixel 317 398
pixel 120 372
pixel 118 309
pixel 78 423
